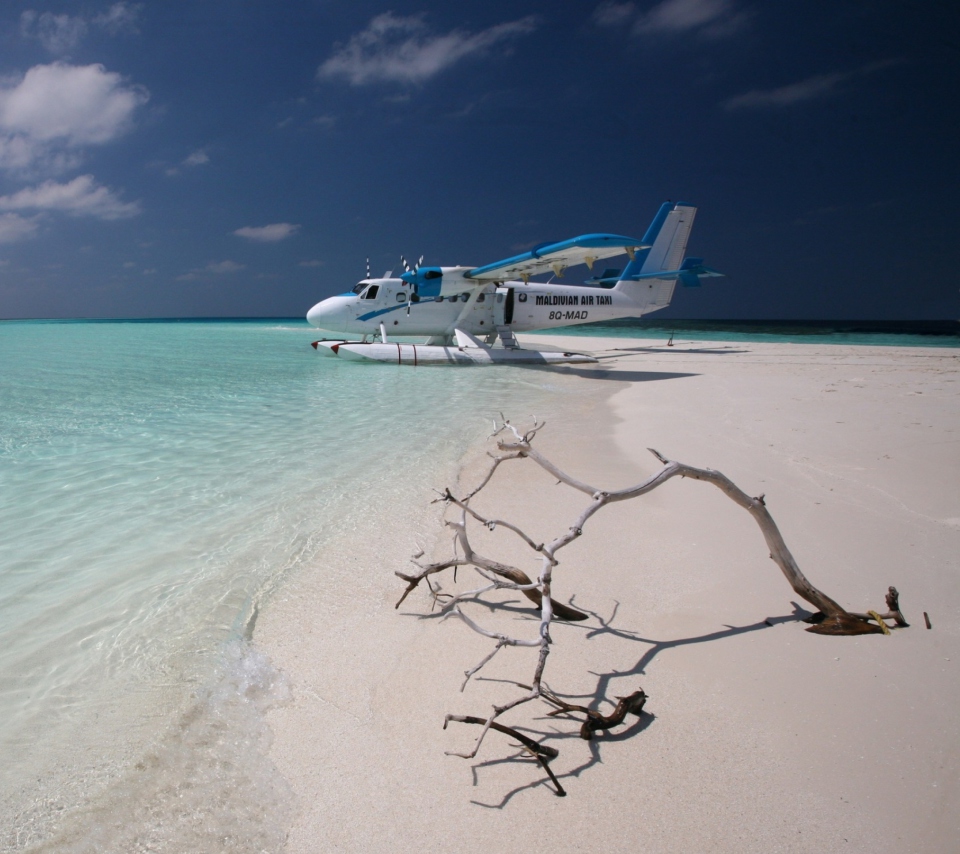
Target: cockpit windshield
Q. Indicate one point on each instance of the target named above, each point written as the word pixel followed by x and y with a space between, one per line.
pixel 357 288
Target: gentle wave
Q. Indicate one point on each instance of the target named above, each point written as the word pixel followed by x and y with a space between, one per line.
pixel 158 482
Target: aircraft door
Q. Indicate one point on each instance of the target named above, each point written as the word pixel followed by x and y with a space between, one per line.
pixel 503 308
pixel 369 298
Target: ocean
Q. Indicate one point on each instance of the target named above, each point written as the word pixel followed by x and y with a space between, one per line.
pixel 159 482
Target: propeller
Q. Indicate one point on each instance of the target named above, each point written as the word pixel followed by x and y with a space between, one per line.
pixel 406 265
pixel 411 278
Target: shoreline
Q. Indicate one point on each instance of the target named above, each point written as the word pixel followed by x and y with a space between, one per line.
pixel 759 736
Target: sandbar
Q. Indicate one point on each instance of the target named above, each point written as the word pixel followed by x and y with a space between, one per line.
pixel 757 735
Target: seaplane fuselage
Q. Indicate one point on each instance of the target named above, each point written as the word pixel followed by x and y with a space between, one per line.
pixel 521 306
pixel 495 300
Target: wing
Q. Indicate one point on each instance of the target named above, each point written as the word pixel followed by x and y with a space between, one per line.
pixel 556 257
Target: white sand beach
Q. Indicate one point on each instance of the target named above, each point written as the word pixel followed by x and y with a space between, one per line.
pixel 757 735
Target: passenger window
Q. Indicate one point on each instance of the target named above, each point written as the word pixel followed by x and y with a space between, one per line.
pixel 481 297
pixel 464 297
pixel 439 299
pixel 371 292
pixel 401 297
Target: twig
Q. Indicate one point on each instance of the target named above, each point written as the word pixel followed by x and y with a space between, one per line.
pixel 541 752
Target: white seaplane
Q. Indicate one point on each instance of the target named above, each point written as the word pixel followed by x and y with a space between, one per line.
pixel 456 307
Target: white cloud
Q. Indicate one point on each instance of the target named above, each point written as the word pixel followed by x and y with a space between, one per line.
pixel 19 153
pixel 268 233
pixel 197 158
pixel 80 197
pixel 81 104
pixel 57 33
pixel 711 18
pixel 53 110
pixel 120 18
pixel 14 227
pixel 217 268
pixel 398 49
pixel 60 34
pixel 221 267
pixel 676 16
pixel 612 14
pixel 805 90
pixel 817 86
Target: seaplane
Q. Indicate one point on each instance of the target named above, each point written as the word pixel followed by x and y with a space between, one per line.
pixel 464 311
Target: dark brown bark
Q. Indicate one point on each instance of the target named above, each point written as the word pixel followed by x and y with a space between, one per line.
pixel 632 704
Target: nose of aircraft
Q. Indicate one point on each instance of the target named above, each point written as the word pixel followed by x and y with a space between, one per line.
pixel 333 313
pixel 315 314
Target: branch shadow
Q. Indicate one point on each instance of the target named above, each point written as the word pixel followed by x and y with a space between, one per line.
pixel 511 606
pixel 599 695
pixel 798 614
pixel 638 726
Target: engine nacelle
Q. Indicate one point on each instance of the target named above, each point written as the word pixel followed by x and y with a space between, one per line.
pixel 440 281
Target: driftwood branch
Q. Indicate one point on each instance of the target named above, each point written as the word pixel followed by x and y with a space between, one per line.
pixel 541 752
pixel 632 704
pixel 517 578
pixel 830 618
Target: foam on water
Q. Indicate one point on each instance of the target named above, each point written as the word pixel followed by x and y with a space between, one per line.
pixel 158 481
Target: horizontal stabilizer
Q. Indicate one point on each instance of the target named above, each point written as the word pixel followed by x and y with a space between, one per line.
pixel 689 274
pixel 692 270
pixel 609 278
pixel 556 257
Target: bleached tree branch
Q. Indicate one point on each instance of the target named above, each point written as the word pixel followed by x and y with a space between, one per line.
pixel 831 618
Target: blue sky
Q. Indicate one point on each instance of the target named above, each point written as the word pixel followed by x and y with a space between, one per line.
pixel 214 158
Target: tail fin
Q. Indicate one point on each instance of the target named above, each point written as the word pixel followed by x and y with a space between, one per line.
pixel 650 278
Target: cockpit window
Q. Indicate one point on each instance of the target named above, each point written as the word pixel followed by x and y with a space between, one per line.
pixel 359 287
pixel 371 292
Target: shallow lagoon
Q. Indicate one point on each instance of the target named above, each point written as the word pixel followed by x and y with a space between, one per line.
pixel 158 482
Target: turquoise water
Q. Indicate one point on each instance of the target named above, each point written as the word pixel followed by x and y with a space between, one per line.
pixel 856 333
pixel 158 481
